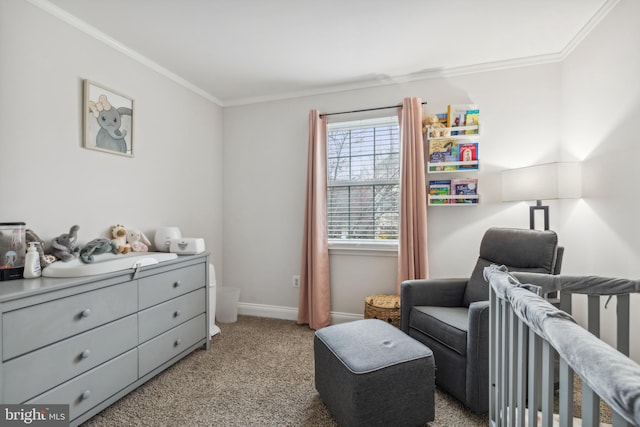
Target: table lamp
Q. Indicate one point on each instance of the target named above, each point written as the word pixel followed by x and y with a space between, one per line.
pixel 560 180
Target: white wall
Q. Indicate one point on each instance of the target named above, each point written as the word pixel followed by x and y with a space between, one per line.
pixel 265 164
pixel 600 110
pixel 585 107
pixel 50 182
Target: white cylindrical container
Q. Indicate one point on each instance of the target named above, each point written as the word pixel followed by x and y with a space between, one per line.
pixel 227 304
pixel 32 262
pixel 163 236
pixel 213 328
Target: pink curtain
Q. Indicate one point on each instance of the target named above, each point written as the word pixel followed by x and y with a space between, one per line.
pixel 412 244
pixel 314 308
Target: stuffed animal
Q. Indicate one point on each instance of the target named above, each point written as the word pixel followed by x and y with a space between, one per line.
pixel 437 129
pixel 137 240
pixel 119 238
pixel 95 247
pixel 64 247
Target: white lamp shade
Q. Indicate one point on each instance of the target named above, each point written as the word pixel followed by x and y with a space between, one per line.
pixel 542 182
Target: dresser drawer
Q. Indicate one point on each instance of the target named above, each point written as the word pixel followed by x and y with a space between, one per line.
pixel 89 389
pixel 162 317
pixel 29 375
pixel 159 350
pixel 162 287
pixel 32 327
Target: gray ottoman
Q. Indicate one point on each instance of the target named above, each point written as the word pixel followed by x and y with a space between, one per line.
pixel 370 373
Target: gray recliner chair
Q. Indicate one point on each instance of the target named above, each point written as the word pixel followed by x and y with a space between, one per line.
pixel 451 316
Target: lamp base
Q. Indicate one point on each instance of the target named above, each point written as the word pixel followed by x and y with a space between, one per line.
pixel 533 209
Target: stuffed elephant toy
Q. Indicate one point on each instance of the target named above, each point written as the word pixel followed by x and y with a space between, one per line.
pixel 64 247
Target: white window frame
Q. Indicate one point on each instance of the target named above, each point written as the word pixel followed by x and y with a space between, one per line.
pixel 369 247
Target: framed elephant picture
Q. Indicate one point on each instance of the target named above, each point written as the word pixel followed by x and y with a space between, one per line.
pixel 108 118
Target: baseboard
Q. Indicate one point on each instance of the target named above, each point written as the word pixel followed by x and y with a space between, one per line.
pixel 288 313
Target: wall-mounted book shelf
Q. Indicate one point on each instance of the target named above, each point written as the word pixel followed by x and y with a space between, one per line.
pixel 453 150
pixel 460 200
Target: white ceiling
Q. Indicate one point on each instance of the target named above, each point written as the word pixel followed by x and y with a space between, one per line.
pixel 239 51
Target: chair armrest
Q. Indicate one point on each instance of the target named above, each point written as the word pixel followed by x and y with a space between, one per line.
pixel 477 387
pixel 435 292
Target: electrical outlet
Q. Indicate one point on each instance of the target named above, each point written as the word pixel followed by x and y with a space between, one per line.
pixel 296 281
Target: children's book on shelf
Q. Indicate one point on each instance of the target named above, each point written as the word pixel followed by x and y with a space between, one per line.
pixel 443 151
pixel 471 119
pixel 440 188
pixel 457 115
pixel 464 187
pixel 468 152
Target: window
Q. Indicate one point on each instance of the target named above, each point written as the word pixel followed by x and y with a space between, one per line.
pixel 363 173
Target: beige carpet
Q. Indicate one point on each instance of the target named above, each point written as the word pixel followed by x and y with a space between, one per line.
pixel 259 372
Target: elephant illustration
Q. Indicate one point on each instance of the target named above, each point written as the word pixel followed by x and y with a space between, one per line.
pixel 109 137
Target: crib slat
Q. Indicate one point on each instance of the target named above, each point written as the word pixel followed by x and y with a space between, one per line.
pixel 593 326
pixel 566 394
pixel 493 344
pixel 590 407
pixel 593 314
pixel 565 301
pixel 535 354
pixel 523 336
pixel 504 371
pixel 624 319
pixel 513 373
pixel 618 421
pixel 547 384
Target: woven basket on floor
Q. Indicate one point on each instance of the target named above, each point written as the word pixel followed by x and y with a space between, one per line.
pixel 383 307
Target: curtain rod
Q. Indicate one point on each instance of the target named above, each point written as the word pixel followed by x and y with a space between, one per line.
pixel 365 109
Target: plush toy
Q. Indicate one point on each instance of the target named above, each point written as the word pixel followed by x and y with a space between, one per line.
pixel 437 128
pixel 31 236
pixel 95 247
pixel 64 247
pixel 137 240
pixel 119 238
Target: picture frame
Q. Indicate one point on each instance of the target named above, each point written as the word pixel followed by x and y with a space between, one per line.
pixel 108 118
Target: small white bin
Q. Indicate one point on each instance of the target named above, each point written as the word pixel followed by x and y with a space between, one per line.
pixel 227 304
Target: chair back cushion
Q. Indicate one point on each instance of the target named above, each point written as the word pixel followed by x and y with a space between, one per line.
pixel 531 251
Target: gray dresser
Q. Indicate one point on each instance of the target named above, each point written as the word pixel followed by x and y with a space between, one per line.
pixel 88 341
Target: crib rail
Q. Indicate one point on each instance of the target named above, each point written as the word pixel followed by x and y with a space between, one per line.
pixel 528 335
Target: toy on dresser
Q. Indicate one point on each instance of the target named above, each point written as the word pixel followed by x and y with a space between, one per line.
pixel 65 246
pixel 119 238
pixel 137 240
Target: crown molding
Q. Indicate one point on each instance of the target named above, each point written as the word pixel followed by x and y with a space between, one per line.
pixel 607 7
pixel 436 73
pixel 381 80
pixel 115 44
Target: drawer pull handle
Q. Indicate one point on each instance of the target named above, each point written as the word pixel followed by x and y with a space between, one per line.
pixel 85 395
pixel 86 313
pixel 176 283
pixel 177 313
pixel 85 354
pixel 177 342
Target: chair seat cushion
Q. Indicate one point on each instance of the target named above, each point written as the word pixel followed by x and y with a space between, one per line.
pixel 446 325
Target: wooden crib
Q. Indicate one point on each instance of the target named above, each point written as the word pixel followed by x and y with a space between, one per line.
pixel 536 348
